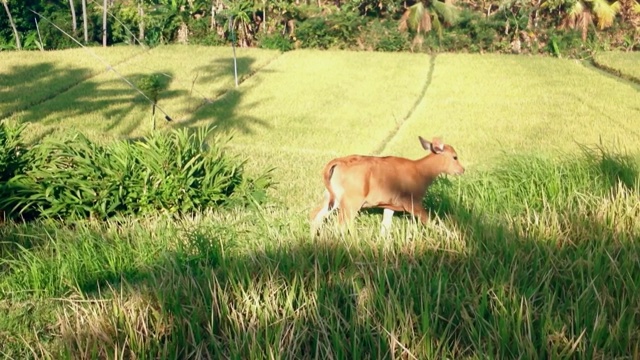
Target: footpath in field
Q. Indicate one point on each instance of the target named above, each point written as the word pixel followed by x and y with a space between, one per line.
pixel 309 106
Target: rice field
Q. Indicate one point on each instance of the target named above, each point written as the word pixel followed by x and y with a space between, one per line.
pixel 533 253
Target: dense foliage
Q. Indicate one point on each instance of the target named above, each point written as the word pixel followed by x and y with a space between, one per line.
pixel 559 27
pixel 176 172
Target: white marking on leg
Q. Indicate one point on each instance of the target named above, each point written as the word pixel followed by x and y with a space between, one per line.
pixel 324 211
pixel 387 216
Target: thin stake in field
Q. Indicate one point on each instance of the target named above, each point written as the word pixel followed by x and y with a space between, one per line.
pixel 233 45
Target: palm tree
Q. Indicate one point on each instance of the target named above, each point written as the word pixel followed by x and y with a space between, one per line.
pixel 141 22
pixel 13 25
pixel 84 21
pixel 581 15
pixel 74 23
pixel 422 17
pixel 104 23
pixel 240 14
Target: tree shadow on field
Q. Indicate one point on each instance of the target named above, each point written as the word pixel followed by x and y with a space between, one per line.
pixel 21 85
pixel 112 104
pixel 565 286
pixel 223 110
pixel 114 107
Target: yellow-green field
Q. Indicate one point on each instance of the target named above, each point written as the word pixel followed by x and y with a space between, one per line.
pixel 626 64
pixel 302 108
pixel 533 253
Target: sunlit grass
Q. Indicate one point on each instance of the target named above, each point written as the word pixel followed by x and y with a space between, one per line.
pixel 487 104
pixel 323 101
pixel 533 254
pixel 626 64
pixel 496 274
pixel 27 78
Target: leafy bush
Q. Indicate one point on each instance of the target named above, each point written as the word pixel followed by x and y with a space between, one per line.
pixel 276 41
pixel 383 36
pixel 202 35
pixel 172 172
pixel 11 151
pixel 565 43
pixel 340 29
pixel 314 33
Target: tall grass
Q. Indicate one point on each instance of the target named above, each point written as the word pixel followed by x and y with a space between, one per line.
pixel 529 256
pixel 507 268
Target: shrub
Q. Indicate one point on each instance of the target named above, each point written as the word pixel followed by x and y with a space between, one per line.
pixel 275 41
pixel 202 35
pixel 565 43
pixel 172 172
pixel 11 151
pixel 314 33
pixel 384 36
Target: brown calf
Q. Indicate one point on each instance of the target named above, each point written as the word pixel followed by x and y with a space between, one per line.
pixel 393 183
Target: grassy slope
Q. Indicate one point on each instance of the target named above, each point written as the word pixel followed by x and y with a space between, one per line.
pixel 622 63
pixel 29 78
pixel 309 106
pixel 485 105
pixel 525 262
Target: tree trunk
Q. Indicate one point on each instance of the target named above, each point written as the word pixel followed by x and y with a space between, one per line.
pixel 84 21
pixel 213 14
pixel 141 23
pixel 13 25
pixel 74 23
pixel 104 23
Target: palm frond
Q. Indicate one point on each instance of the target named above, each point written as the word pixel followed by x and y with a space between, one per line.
pixel 404 20
pixel 447 11
pixel 605 13
pixel 437 25
pixel 579 17
pixel 425 22
pixel 576 10
pixel 416 15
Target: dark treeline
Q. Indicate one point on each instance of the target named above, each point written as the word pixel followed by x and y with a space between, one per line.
pixel 559 27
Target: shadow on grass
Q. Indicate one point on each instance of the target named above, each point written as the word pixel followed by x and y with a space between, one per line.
pixel 23 86
pixel 114 106
pixel 108 105
pixel 560 283
pixel 223 110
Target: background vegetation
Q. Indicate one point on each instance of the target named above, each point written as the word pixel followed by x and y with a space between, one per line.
pixel 532 253
pixel 572 28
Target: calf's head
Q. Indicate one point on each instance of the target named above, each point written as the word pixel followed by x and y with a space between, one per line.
pixel 446 153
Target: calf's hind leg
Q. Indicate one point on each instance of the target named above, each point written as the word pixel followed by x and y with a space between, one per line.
pixel 320 213
pixel 348 210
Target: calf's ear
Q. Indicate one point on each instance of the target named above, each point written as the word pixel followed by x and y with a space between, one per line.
pixel 436 145
pixel 425 143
